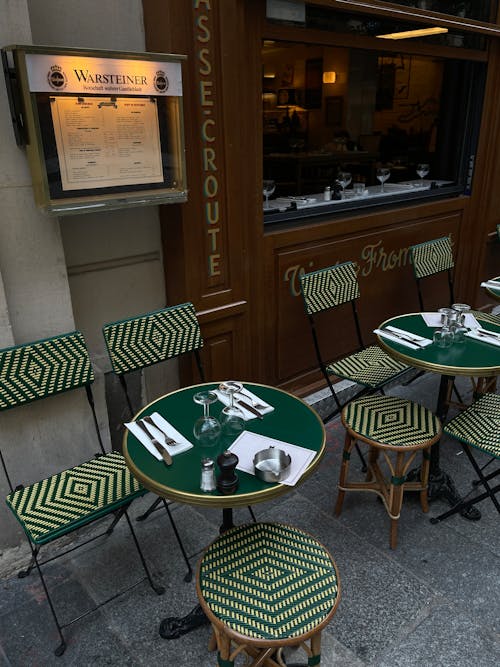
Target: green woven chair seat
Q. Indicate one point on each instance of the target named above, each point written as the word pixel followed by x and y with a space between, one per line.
pixel 391 421
pixel 370 367
pixel 268 581
pixel 479 425
pixel 57 505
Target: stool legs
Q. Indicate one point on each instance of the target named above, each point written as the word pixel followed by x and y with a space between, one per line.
pixel 390 490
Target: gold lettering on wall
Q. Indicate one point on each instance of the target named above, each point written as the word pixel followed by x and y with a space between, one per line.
pixel 374 257
pixel 208 133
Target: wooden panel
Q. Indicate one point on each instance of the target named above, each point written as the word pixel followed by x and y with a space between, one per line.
pixel 386 282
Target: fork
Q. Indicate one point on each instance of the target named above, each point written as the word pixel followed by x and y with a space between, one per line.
pixel 168 440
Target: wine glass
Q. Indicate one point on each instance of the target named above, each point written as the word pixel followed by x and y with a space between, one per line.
pixel 383 174
pixel 343 179
pixel 422 171
pixel 206 428
pixel 268 187
pixel 232 418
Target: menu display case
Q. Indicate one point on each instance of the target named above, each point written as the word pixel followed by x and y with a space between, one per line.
pixel 102 130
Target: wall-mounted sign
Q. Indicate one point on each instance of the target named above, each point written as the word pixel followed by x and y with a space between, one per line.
pixel 103 130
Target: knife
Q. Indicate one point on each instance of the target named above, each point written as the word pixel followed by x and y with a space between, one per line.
pixel 487 332
pixel 405 338
pixel 250 408
pixel 165 455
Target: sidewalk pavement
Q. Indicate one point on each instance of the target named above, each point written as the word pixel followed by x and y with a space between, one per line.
pixel 432 601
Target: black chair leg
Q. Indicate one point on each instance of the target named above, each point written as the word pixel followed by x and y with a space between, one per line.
pixel 489 492
pixel 62 646
pixel 189 574
pixel 150 510
pixel 25 573
pixel 252 514
pixel 157 589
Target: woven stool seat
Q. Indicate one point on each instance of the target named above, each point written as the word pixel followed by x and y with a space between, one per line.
pixel 264 586
pixel 371 367
pixel 57 505
pixel 396 428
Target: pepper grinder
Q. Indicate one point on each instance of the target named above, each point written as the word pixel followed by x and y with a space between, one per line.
pixel 227 481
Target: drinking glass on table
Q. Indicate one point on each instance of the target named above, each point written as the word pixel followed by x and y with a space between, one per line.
pixel 206 428
pixel 459 328
pixel 232 418
pixel 343 179
pixel 268 188
pixel 383 174
pixel 422 170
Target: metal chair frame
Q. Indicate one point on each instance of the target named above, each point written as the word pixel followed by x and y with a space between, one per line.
pixel 146 340
pixel 38 370
pixel 481 434
pixel 346 291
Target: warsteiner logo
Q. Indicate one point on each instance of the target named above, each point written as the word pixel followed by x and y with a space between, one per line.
pixel 57 78
pixel 161 82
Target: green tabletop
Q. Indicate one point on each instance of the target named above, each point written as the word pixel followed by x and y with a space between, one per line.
pixel 292 421
pixel 493 290
pixel 472 358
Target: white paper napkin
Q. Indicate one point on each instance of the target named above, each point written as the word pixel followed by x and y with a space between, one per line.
pixel 247 444
pixel 421 340
pixel 390 336
pixel 495 284
pixel 183 445
pixel 246 396
pixel 434 320
pixel 484 339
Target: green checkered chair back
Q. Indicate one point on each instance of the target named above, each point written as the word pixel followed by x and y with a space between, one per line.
pixel 152 338
pixel 329 287
pixel 37 370
pixel 479 425
pixel 432 257
pixel 268 582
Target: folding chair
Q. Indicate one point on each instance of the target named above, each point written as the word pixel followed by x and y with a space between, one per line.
pixel 62 503
pixel 138 342
pixel 431 258
pixel 369 367
pixel 478 428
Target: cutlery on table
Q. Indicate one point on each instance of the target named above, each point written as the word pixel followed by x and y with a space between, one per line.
pixel 256 404
pixel 407 339
pixel 168 440
pixel 487 332
pixel 249 407
pixel 165 455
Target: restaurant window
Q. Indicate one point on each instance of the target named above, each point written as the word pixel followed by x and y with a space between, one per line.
pixel 329 110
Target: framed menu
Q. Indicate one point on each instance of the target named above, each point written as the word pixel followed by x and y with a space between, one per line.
pixel 103 130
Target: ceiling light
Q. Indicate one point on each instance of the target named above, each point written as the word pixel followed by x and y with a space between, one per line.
pixel 422 32
pixel 329 77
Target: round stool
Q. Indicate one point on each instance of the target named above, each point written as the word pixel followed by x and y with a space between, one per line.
pixel 264 586
pixel 396 428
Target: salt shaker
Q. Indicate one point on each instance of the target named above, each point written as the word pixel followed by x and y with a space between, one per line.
pixel 327 193
pixel 207 482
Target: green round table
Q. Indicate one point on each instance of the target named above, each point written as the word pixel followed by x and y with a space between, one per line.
pixel 473 358
pixel 292 421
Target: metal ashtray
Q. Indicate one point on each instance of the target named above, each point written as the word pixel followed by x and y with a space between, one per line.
pixel 272 465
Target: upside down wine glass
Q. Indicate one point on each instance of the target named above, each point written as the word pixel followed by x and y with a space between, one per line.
pixel 232 418
pixel 383 174
pixel 206 428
